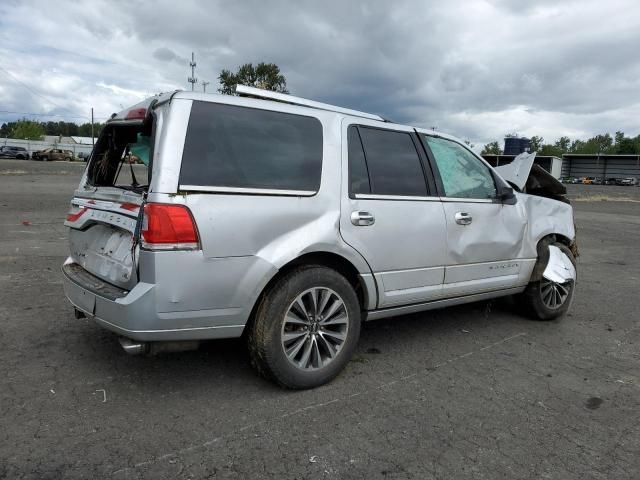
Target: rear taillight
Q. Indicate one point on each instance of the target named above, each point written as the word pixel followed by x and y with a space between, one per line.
pixel 75 215
pixel 169 227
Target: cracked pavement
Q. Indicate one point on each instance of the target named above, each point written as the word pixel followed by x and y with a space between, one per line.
pixel 476 392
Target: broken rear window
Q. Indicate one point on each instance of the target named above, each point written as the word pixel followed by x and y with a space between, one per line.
pixel 121 157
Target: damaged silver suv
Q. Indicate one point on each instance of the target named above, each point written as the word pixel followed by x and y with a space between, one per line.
pixel 290 222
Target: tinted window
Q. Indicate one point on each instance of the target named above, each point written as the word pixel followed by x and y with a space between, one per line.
pixel 463 175
pixel 228 146
pixel 358 175
pixel 393 163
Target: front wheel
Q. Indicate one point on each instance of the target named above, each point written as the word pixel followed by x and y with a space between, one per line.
pixel 546 299
pixel 306 328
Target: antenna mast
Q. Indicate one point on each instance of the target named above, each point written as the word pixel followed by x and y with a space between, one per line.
pixel 192 79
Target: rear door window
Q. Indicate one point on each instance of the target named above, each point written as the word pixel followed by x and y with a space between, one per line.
pixel 358 173
pixel 238 147
pixel 392 162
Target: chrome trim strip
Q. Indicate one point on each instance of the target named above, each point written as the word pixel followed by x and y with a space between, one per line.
pixel 469 200
pixel 251 191
pixel 420 307
pixel 369 196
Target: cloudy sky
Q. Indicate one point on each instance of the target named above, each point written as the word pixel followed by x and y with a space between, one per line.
pixel 474 68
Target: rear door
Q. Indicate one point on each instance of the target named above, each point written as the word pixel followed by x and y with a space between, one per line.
pixel 484 236
pixel 104 217
pixel 388 212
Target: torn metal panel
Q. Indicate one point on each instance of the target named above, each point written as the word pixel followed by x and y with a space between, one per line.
pixel 543 184
pixel 517 172
pixel 529 178
pixel 559 268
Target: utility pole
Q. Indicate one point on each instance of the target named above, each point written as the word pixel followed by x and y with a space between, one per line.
pixel 192 79
pixel 204 86
pixel 92 141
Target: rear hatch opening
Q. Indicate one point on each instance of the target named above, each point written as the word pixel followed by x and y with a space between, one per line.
pixel 105 216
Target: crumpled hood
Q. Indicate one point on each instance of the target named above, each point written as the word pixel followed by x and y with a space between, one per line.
pixel 517 171
pixel 532 179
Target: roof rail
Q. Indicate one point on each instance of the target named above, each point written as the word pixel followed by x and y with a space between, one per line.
pixel 281 97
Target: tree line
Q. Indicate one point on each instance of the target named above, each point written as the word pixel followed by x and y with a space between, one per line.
pixel 598 144
pixel 34 130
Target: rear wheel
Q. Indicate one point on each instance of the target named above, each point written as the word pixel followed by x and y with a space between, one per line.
pixel 67 159
pixel 545 299
pixel 44 159
pixel 306 328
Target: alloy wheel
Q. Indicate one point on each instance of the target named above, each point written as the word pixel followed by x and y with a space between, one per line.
pixel 315 328
pixel 553 294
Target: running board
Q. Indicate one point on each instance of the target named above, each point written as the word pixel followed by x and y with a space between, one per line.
pixel 447 302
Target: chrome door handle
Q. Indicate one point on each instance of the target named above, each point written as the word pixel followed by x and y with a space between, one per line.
pixel 463 218
pixel 362 219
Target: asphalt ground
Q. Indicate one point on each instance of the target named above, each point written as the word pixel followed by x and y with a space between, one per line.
pixel 476 392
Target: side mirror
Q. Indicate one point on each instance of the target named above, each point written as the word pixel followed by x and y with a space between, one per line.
pixel 506 196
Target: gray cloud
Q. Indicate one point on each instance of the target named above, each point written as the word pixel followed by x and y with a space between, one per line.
pixel 165 54
pixel 475 68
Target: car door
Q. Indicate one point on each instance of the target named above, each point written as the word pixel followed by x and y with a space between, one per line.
pixel 389 212
pixel 484 234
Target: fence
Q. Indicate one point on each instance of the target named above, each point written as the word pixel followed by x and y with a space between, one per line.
pixel 34 145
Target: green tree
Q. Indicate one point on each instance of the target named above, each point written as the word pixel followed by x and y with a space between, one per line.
pixel 550 150
pixel 27 129
pixel 492 148
pixel 626 145
pixel 264 75
pixel 563 144
pixel 536 143
pixel 618 138
pixel 577 146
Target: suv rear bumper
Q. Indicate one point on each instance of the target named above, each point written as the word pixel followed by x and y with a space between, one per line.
pixel 133 313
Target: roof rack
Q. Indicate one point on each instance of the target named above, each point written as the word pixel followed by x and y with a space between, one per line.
pixel 281 97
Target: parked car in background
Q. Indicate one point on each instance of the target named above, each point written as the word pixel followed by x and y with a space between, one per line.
pixel 20 153
pixel 577 181
pixel 565 179
pixel 587 180
pixel 629 181
pixel 611 181
pixel 53 154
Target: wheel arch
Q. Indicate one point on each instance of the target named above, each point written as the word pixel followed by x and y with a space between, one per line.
pixel 364 285
pixel 542 251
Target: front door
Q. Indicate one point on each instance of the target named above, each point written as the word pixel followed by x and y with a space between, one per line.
pixel 484 236
pixel 390 215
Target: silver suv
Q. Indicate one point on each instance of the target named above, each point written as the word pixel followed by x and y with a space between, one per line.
pixel 289 222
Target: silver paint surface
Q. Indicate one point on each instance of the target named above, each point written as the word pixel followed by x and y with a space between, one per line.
pixel 413 257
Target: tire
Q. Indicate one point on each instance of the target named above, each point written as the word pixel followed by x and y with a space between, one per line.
pixel 314 354
pixel 44 159
pixel 67 159
pixel 532 300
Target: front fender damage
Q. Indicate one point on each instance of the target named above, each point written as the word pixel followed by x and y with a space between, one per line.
pixel 559 268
